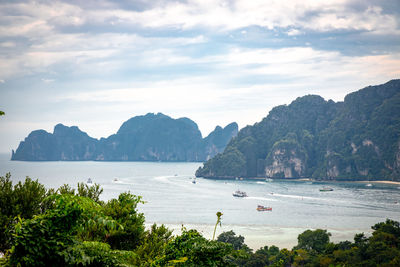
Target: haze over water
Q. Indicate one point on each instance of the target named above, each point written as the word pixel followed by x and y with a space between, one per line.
pixel 173 199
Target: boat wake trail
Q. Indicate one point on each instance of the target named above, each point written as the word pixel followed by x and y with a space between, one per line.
pixel 123 183
pixel 295 196
pixel 164 179
pixel 261 198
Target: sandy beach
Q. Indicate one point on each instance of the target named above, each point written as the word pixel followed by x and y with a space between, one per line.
pixel 257 236
pixel 381 182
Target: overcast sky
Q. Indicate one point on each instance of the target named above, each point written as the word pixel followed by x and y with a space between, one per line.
pixel 96 64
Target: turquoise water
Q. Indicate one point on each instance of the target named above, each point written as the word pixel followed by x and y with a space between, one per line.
pixel 172 198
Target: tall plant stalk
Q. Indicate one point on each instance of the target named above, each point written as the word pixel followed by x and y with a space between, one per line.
pixel 219 215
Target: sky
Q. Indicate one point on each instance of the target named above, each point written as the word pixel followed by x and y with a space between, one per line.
pixel 95 64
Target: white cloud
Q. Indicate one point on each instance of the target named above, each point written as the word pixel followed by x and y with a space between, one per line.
pixel 329 74
pixel 330 15
pixel 47 80
pixel 370 19
pixel 7 44
pixel 93 52
pixel 38 19
pixel 40 22
pixel 293 32
pixel 33 62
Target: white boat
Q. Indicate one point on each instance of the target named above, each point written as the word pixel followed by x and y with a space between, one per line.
pixel 239 193
pixel 89 181
pixel 369 185
pixel 269 180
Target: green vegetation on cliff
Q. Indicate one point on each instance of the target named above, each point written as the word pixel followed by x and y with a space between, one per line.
pixel 152 137
pixel 355 139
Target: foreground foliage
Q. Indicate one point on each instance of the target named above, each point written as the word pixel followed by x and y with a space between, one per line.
pixel 64 227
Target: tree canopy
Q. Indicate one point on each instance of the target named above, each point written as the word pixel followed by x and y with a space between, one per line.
pixel 69 227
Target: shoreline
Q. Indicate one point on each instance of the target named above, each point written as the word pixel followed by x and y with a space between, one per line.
pixel 381 182
pixel 268 179
pixel 258 236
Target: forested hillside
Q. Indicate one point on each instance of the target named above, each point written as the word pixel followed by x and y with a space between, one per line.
pixel 354 139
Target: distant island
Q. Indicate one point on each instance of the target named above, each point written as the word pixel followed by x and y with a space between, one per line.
pixel 355 139
pixel 152 137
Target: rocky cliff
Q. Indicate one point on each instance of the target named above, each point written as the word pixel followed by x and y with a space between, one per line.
pixel 152 137
pixel 358 138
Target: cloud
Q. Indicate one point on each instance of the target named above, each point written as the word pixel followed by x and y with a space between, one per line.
pixel 7 44
pixel 221 15
pixel 39 18
pixel 72 33
pixel 293 32
pixel 87 52
pixel 240 73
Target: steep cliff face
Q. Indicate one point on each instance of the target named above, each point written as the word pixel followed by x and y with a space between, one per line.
pixel 73 144
pixel 37 146
pixel 217 140
pixel 152 137
pixel 287 159
pixel 360 140
pixel 66 143
pixel 354 139
pixel 396 167
pixel 155 137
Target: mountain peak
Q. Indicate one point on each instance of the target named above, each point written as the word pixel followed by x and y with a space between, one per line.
pixel 150 137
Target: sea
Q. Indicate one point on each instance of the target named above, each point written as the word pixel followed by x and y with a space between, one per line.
pixel 172 198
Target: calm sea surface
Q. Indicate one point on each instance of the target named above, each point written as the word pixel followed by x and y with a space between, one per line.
pixel 172 198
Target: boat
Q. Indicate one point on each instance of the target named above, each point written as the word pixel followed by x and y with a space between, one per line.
pixel 263 208
pixel 115 180
pixel 239 193
pixel 326 189
pixel 193 181
pixel 369 185
pixel 269 180
pixel 89 181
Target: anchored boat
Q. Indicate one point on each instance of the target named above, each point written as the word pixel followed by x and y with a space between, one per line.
pixel 239 193
pixel 263 208
pixel 326 189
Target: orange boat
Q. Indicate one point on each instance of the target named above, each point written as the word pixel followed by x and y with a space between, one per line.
pixel 263 208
